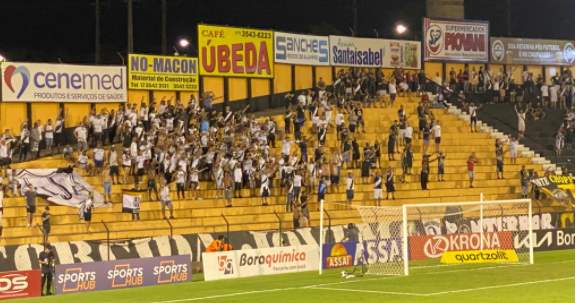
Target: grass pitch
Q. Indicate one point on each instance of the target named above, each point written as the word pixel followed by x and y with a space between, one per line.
pixel 550 279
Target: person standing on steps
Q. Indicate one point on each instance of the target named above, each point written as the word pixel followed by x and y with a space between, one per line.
pixel 30 195
pixel 390 189
pixel 437 132
pixel 46 224
pixel 471 163
pixel 46 259
pixel 378 188
pixel 424 173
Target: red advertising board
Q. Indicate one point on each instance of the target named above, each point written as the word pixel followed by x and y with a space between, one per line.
pixel 19 284
pixel 430 247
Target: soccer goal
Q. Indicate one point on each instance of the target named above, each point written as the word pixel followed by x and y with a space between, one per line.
pixel 395 239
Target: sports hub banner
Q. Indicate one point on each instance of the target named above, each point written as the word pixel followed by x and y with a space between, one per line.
pixel 235 52
pixel 20 284
pixel 531 51
pixel 126 273
pixel 256 262
pixel 59 186
pixel 155 72
pixel 456 40
pixel 42 82
pixel 301 49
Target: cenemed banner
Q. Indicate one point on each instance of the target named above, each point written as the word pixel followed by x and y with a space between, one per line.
pixel 127 273
pixel 531 51
pixel 262 261
pixel 235 52
pixel 301 49
pixel 41 82
pixel 455 40
pixel 154 72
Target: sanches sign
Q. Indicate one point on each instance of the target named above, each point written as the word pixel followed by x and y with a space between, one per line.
pixel 301 49
pixel 41 82
pixel 455 40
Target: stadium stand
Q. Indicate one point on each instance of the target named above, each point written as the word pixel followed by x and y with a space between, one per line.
pixel 210 214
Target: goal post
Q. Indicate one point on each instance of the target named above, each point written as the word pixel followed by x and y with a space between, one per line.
pixel 396 239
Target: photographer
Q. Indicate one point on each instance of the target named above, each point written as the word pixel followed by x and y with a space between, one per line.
pixel 46 259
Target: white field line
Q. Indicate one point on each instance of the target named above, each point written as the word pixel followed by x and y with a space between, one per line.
pixel 498 286
pixel 380 292
pixel 322 285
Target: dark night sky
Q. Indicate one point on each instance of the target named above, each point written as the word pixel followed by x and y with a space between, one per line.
pixel 45 30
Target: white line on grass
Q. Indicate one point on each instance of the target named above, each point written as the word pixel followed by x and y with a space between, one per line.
pixel 320 286
pixel 498 286
pixel 380 292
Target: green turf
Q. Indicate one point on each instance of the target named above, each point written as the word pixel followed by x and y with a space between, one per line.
pixel 550 280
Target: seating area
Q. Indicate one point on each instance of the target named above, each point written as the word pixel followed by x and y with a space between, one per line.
pixel 209 214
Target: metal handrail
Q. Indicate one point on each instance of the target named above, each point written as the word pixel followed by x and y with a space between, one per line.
pixel 227 226
pixel 170 226
pixel 107 239
pixel 279 228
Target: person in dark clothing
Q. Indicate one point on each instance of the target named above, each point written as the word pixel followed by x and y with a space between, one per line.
pixel 46 223
pixel 425 171
pixel 46 259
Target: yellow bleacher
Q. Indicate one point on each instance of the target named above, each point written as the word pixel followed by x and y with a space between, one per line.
pixel 205 215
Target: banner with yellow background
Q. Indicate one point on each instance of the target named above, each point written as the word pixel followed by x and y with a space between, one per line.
pixel 152 72
pixel 235 52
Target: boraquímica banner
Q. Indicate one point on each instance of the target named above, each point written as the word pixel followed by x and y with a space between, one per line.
pixel 301 49
pixel 256 262
pixel 531 51
pixel 155 72
pixel 235 52
pixel 128 273
pixel 43 82
pixel 456 40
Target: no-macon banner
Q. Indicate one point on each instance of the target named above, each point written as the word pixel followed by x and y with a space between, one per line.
pixel 456 40
pixel 256 262
pixel 531 51
pixel 301 49
pixel 126 273
pixel 235 52
pixel 42 82
pixel 155 72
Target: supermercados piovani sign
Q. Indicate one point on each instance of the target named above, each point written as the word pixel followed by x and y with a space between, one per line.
pixel 455 40
pixel 42 82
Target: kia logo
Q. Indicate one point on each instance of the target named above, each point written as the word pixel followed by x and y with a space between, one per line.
pixel 13 283
pixel 436 246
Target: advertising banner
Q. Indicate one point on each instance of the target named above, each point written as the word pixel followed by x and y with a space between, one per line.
pixel 126 273
pixel 531 51
pixel 256 262
pixel 301 49
pixel 43 82
pixel 555 190
pixel 544 240
pixel 235 52
pixel 455 40
pixel 340 254
pixel 155 72
pixel 367 52
pixel 401 54
pixel 20 284
pixel 479 257
pixel 358 52
pixel 430 247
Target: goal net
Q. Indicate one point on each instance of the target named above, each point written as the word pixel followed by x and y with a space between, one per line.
pixel 395 239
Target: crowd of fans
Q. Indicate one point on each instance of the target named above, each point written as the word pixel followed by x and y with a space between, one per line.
pixel 171 141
